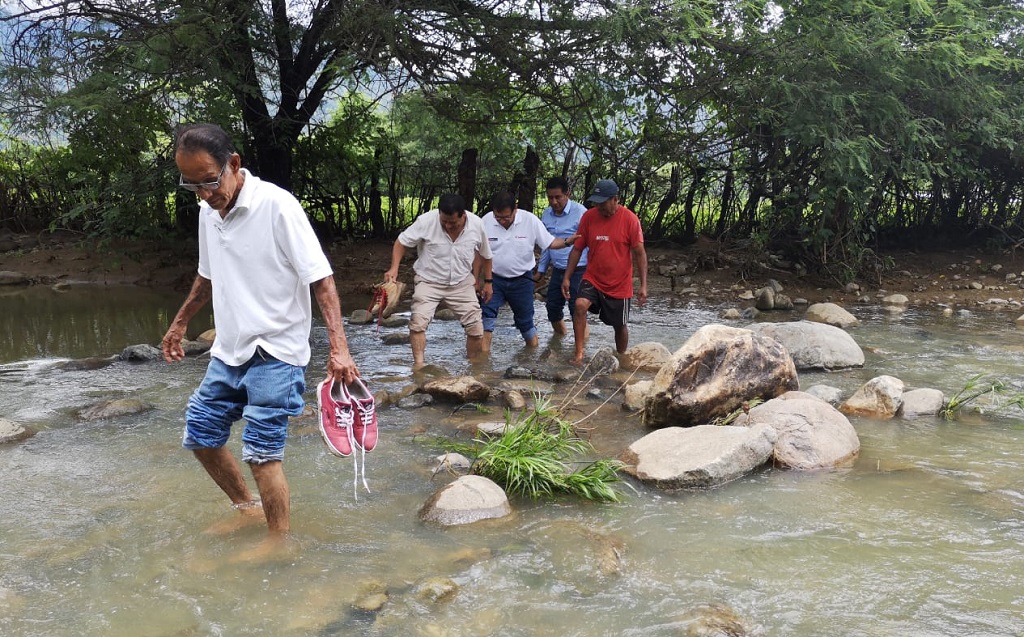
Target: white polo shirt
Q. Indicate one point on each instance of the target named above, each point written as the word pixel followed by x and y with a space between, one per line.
pixel 513 247
pixel 439 259
pixel 261 259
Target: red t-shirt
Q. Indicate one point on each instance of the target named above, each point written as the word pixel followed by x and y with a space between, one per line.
pixel 610 239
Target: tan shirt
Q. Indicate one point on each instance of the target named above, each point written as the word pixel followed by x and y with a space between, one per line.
pixel 439 259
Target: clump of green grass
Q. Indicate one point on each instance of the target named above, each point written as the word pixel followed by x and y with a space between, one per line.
pixel 536 456
pixel 975 389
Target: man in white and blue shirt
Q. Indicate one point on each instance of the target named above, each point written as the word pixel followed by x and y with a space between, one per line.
pixel 561 218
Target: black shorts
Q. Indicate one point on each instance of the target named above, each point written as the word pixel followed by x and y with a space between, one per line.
pixel 614 312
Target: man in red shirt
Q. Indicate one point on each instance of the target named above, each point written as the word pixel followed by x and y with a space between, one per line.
pixel 613 234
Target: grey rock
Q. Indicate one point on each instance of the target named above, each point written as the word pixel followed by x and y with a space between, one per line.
pixel 401 338
pixel 698 457
pixel 604 362
pixel 11 431
pixel 646 356
pixel 141 354
pixel 814 345
pixel 114 409
pixel 86 364
pixel 459 389
pixel 415 401
pixel 714 373
pixel 8 277
pixel 634 395
pixel 921 402
pixel 831 395
pixel 880 397
pixel 466 500
pixel 812 434
pixel 830 314
pixel 395 321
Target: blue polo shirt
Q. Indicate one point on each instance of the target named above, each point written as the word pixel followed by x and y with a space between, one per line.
pixel 562 226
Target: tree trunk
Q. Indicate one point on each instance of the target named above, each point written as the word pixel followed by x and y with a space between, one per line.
pixel 375 213
pixel 271 155
pixel 723 211
pixel 689 219
pixel 467 175
pixel 570 155
pixel 186 213
pixel 393 197
pixel 657 229
pixel 638 192
pixel 526 188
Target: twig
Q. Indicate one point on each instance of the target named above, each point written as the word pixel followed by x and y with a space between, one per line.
pixel 617 390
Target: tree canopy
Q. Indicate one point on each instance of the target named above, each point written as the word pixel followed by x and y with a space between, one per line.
pixel 821 126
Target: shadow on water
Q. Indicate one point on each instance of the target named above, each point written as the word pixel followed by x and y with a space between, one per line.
pixel 108 528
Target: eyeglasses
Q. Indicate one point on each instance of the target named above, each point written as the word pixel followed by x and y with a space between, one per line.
pixel 208 186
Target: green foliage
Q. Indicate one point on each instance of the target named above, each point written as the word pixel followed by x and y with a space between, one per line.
pixel 978 388
pixel 819 129
pixel 534 458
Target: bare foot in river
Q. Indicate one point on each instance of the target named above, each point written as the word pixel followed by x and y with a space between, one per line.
pixel 244 518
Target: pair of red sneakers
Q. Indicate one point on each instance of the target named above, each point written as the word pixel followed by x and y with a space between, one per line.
pixel 348 416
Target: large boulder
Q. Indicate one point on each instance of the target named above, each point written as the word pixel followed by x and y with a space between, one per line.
pixel 812 434
pixel 458 389
pixel 814 345
pixel 714 373
pixel 696 457
pixel 880 397
pixel 464 501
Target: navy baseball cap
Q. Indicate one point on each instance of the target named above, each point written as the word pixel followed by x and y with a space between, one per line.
pixel 603 191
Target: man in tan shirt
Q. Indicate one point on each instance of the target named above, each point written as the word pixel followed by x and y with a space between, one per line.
pixel 448 239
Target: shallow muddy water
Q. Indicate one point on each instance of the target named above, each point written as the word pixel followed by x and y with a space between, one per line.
pixel 107 527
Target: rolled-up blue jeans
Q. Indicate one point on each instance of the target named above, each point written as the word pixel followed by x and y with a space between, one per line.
pixel 555 302
pixel 264 391
pixel 518 293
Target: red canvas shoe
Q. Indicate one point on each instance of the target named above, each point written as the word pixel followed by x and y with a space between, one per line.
pixel 336 417
pixel 364 427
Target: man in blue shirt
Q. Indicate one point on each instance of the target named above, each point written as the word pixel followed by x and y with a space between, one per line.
pixel 561 218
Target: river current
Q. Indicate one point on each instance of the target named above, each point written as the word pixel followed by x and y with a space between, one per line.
pixel 109 528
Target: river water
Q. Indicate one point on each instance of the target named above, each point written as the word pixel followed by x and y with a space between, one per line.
pixel 109 528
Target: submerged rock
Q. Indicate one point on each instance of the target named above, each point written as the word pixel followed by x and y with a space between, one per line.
pixel 459 389
pixel 114 408
pixel 11 431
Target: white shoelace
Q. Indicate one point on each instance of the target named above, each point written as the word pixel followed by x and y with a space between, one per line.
pixel 366 417
pixel 358 468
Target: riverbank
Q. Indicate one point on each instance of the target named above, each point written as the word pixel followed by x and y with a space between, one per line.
pixel 706 271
